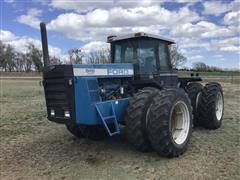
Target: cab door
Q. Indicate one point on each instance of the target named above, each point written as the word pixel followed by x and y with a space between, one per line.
pixel 167 76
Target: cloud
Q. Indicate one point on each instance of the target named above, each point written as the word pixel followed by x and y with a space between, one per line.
pixel 9 1
pixel 20 43
pixel 202 29
pixel 190 30
pixel 230 41
pixel 228 44
pixel 196 57
pixel 232 18
pixel 231 48
pixel 6 35
pixel 43 2
pixel 89 5
pixel 217 7
pixel 232 21
pixel 31 18
pixel 218 56
pixel 99 23
pixel 95 46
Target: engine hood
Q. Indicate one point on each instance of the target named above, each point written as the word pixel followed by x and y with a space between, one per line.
pixel 96 70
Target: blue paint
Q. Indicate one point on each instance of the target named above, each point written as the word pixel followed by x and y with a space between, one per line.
pixel 89 107
pixel 110 113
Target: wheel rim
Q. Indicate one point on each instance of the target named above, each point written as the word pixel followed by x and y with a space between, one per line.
pixel 180 122
pixel 219 106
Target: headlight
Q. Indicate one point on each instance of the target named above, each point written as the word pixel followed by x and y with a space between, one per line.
pixel 121 90
pixel 52 112
pixel 67 114
pixel 69 82
pixel 103 91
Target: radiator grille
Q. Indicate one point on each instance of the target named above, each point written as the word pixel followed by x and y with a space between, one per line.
pixel 59 96
pixel 56 94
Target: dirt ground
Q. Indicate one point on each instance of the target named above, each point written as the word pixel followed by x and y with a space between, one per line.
pixel 31 147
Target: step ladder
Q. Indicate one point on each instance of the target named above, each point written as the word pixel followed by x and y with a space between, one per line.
pixel 108 118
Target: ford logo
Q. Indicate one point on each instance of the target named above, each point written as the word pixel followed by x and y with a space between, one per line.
pixel 118 72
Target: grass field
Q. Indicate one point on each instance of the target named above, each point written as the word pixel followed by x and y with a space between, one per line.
pixel 31 147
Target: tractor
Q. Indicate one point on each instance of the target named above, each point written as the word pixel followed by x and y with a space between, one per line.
pixel 138 92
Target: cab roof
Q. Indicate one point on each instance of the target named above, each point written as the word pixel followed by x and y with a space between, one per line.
pixel 139 34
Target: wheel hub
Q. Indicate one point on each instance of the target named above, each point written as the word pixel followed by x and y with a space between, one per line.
pixel 180 122
pixel 219 106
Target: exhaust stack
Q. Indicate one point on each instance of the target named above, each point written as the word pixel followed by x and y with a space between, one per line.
pixel 44 44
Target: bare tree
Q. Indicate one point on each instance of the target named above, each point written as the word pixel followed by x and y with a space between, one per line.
pixel 76 56
pixel 54 60
pixel 200 66
pixel 11 60
pixel 177 58
pixel 20 61
pixel 3 62
pixel 9 57
pixel 35 56
pixel 99 57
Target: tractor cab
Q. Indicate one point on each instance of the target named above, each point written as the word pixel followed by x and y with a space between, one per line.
pixel 148 53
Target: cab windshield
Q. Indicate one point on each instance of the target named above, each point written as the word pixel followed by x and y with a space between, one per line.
pixel 147 55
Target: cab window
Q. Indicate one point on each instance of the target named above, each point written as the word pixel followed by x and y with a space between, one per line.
pixel 145 54
pixel 163 56
pixel 147 57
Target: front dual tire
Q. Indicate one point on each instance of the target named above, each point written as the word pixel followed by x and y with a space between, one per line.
pixel 136 118
pixel 90 132
pixel 169 123
pixel 160 120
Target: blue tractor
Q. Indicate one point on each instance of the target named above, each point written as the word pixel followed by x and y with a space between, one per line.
pixel 139 90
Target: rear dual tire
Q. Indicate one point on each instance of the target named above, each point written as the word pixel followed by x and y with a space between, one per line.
pixel 211 106
pixel 194 91
pixel 207 103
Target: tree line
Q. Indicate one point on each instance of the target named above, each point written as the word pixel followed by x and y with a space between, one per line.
pixel 202 67
pixel 32 59
pixel 78 56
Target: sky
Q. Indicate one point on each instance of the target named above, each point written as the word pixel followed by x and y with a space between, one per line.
pixel 205 31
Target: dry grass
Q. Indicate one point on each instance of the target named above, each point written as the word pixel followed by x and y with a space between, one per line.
pixel 31 147
pixel 20 78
